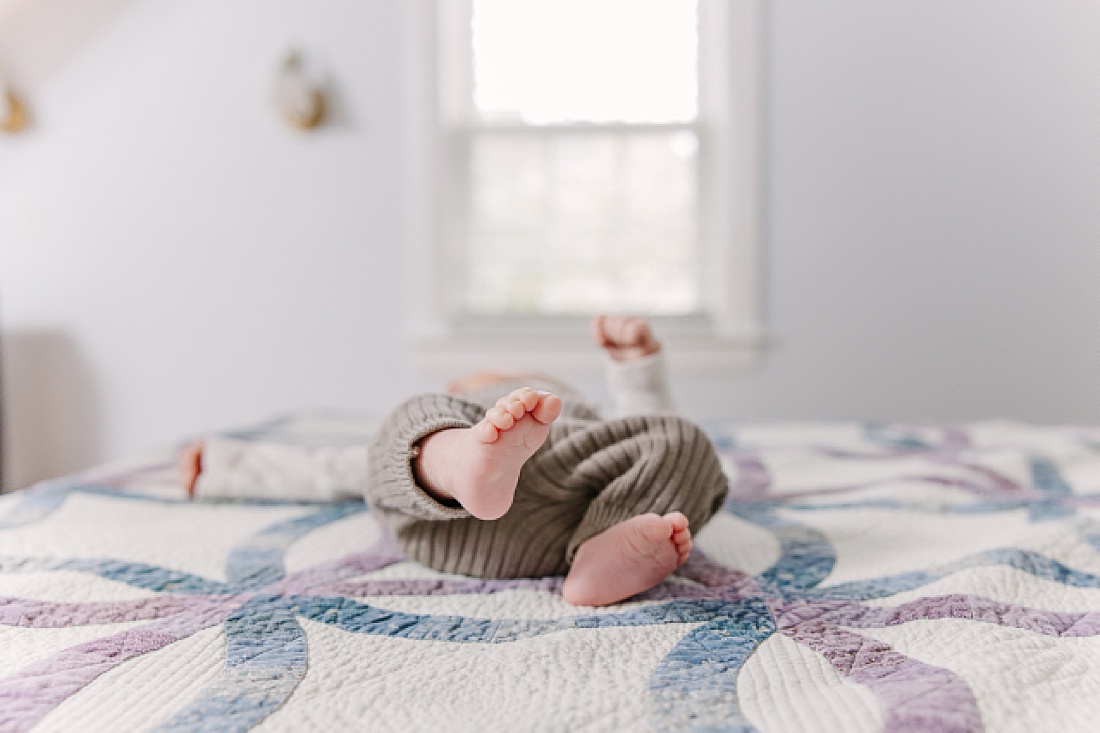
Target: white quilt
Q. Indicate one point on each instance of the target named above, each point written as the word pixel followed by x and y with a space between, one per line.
pixel 862 578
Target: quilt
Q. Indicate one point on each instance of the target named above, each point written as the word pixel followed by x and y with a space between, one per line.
pixel 862 577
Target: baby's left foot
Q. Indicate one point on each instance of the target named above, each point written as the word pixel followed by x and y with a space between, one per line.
pixel 480 466
pixel 631 557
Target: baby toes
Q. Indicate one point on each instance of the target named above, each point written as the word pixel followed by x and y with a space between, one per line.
pixel 486 432
pixel 501 418
pixel 548 408
pixel 515 408
pixel 529 397
pixel 678 520
pixel 519 401
pixel 682 540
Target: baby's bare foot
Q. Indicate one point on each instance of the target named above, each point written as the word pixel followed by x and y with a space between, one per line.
pixel 625 338
pixel 628 558
pixel 479 466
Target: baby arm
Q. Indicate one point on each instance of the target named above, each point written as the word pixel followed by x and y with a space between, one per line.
pixel 237 469
pixel 636 371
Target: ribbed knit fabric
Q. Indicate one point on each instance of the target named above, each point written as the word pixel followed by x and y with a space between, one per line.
pixel 590 474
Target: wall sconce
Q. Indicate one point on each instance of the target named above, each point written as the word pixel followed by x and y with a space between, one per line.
pixel 299 95
pixel 13 114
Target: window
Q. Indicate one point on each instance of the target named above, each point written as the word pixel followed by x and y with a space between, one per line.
pixel 584 156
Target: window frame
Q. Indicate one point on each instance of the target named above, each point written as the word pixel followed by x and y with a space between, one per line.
pixel 727 335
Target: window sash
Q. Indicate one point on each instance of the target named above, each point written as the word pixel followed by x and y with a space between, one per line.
pixel 728 332
pixel 464 234
pixel 461 125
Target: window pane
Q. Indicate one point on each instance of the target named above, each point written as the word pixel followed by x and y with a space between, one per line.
pixel 553 61
pixel 583 222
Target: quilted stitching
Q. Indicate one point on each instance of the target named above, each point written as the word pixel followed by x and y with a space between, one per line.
pixel 862 577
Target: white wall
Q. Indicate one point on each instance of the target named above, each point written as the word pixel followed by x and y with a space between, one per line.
pixel 933 187
pixel 182 261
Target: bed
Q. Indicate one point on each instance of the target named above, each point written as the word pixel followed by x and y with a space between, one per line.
pixel 862 577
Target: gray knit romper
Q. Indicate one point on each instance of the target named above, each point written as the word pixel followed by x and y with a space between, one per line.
pixel 590 474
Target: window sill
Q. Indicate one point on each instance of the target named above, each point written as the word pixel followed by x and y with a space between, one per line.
pixel 692 346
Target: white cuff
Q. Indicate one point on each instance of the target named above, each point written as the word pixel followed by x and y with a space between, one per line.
pixel 639 387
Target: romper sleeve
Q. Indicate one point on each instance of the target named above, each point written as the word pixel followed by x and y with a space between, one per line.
pixel 238 469
pixel 639 387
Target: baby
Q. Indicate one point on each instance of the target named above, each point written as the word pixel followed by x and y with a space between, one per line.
pixel 537 483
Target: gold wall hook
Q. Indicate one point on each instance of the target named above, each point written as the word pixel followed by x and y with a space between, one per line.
pixel 300 98
pixel 312 115
pixel 14 113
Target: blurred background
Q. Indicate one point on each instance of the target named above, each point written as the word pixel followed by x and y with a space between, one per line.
pixel 175 258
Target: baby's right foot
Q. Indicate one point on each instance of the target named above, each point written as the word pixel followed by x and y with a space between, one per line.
pixel 626 559
pixel 479 466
